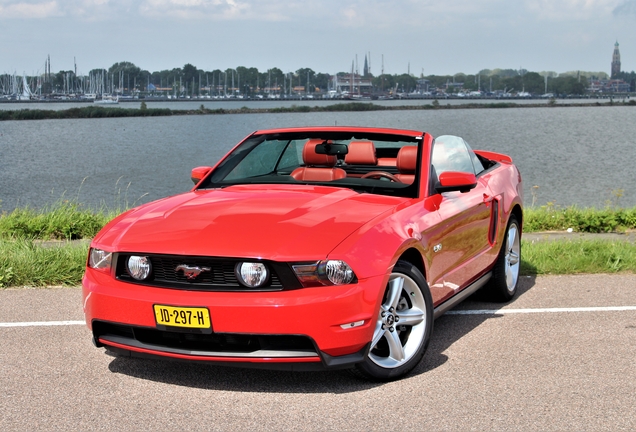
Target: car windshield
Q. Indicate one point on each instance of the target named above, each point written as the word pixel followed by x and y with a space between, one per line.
pixel 384 164
pixel 452 153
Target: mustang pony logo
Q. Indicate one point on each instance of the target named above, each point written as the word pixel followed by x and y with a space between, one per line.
pixel 191 272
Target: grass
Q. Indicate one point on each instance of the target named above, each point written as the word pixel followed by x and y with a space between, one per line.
pixel 84 112
pixel 577 257
pixel 26 261
pixel 589 220
pixel 69 220
pixel 65 220
pixel 144 111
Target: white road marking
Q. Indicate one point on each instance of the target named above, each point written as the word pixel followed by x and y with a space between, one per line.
pixel 540 310
pixel 42 323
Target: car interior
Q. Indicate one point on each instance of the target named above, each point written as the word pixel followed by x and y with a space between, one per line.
pixel 383 164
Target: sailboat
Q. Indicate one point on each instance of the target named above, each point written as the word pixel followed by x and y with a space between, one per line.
pixel 26 91
pixel 107 100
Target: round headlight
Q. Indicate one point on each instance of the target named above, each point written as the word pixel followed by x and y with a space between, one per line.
pixel 252 275
pixel 139 267
pixel 339 272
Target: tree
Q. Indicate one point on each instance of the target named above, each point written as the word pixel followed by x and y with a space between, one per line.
pixel 189 72
pixel 248 78
pixel 124 74
pixel 383 82
pixel 305 78
pixel 568 85
pixel 321 81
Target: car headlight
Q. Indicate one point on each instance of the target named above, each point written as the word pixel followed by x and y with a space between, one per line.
pixel 330 272
pixel 338 272
pixel 251 274
pixel 139 267
pixel 99 259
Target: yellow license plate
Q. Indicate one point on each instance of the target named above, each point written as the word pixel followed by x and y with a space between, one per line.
pixel 187 317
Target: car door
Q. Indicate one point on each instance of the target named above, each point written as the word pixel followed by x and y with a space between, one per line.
pixel 462 239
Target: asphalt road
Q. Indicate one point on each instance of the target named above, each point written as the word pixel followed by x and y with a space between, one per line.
pixel 562 356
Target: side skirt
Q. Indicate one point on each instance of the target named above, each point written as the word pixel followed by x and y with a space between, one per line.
pixel 461 296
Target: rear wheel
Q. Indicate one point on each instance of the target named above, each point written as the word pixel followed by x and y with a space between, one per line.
pixel 503 285
pixel 403 326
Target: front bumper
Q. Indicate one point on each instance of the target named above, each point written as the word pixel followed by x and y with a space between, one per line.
pixel 308 327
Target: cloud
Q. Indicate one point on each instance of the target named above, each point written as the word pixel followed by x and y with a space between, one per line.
pixel 93 10
pixel 570 10
pixel 348 13
pixel 29 10
pixel 194 9
pixel 627 7
pixel 380 14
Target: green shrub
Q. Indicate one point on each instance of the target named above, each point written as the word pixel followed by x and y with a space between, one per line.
pixel 65 220
pixel 590 220
pixel 25 263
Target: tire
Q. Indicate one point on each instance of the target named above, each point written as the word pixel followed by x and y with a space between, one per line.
pixel 505 277
pixel 403 327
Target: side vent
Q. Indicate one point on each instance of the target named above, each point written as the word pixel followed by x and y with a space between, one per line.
pixel 494 218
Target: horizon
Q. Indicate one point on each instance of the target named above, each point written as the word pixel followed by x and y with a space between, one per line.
pixel 80 73
pixel 399 37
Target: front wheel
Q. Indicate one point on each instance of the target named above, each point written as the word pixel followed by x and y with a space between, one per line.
pixel 403 326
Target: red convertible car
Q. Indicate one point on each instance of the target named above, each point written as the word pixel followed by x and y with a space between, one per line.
pixel 309 248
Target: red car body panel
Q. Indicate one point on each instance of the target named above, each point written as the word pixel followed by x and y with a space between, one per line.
pixel 451 237
pixel 294 218
pixel 314 311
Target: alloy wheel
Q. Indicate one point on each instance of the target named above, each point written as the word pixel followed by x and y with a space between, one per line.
pixel 401 323
pixel 512 257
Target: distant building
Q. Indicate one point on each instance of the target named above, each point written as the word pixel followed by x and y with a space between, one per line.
pixel 609 86
pixel 618 86
pixel 353 83
pixel 616 62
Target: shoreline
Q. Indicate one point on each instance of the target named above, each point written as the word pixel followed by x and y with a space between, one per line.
pixel 95 111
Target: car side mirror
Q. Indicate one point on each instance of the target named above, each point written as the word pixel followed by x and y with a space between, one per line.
pixel 199 173
pixel 451 181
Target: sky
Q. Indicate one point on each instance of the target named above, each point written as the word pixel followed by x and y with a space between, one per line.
pixel 433 37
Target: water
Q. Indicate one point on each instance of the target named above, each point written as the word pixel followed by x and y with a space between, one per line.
pixel 194 104
pixel 579 156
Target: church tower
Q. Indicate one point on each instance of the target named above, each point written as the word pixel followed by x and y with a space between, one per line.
pixel 616 62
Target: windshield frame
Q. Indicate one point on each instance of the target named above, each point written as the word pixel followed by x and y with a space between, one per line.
pixel 218 178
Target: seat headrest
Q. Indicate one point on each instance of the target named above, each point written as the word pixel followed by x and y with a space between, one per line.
pixel 361 153
pixel 310 157
pixel 407 160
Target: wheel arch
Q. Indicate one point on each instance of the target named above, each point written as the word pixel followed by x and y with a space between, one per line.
pixel 414 257
pixel 518 214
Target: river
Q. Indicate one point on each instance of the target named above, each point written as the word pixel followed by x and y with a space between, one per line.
pixel 567 155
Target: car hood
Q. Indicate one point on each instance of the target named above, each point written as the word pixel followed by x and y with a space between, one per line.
pixel 277 223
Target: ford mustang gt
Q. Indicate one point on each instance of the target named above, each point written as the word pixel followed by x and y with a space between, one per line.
pixel 309 248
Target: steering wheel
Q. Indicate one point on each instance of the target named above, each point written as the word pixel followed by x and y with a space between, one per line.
pixel 378 174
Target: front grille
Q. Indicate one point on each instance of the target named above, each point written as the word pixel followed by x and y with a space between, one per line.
pixel 220 277
pixel 201 344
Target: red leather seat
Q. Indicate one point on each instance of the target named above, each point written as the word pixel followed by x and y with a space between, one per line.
pixel 406 164
pixel 361 153
pixel 387 162
pixel 318 167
